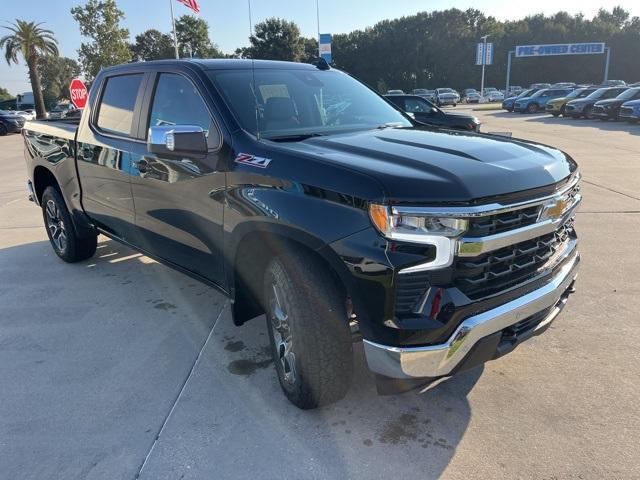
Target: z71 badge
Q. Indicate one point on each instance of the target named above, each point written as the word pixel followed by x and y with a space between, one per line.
pixel 252 160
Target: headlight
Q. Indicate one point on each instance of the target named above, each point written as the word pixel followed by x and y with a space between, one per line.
pixel 411 226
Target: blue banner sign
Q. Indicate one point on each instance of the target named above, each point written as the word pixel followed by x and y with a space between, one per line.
pixel 325 46
pixel 484 56
pixel 559 49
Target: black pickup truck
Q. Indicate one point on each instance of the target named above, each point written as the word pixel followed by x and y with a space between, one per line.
pixel 302 194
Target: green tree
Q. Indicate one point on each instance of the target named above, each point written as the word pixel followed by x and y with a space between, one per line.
pixel 153 45
pixel 193 38
pixel 5 95
pixel 275 39
pixel 99 20
pixel 310 50
pixel 32 42
pixel 56 74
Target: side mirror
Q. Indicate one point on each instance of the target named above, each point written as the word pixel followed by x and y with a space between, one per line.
pixel 177 140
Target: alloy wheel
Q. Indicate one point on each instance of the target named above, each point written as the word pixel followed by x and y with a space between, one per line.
pixel 56 226
pixel 282 338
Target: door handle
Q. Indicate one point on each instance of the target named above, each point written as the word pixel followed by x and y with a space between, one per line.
pixel 142 166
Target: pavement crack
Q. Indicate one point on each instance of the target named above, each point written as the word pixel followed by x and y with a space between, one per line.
pixel 179 396
pixel 611 189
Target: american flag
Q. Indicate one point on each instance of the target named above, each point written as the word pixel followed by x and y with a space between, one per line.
pixel 192 4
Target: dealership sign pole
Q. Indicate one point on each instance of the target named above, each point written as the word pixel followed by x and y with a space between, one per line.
pixel 550 50
pixel 484 56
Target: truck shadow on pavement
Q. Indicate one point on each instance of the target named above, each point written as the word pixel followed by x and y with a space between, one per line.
pixel 229 421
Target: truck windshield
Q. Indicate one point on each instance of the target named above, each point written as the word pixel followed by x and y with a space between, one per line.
pixel 302 102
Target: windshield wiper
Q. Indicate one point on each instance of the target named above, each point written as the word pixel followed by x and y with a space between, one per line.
pixel 295 137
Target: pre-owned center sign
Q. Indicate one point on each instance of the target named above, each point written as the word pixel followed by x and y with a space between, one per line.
pixel 559 49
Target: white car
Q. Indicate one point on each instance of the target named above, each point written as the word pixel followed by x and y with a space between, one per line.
pixel 27 114
pixel 493 95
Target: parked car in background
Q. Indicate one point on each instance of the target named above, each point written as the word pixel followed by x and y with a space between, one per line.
pixel 557 106
pixel 470 95
pixel 609 109
pixel 614 83
pixel 27 115
pixel 424 111
pixel 582 107
pixel 493 95
pixel 446 96
pixel 507 103
pixel 540 86
pixel 563 85
pixel 538 101
pixel 61 110
pixel 630 111
pixel 10 122
pixel 425 93
pixel 395 92
pixel 515 90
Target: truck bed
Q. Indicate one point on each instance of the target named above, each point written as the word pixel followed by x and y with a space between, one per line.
pixel 64 129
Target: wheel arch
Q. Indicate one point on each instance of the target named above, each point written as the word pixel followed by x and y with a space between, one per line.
pixel 253 248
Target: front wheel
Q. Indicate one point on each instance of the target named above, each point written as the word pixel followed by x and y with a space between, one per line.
pixel 532 108
pixel 61 232
pixel 3 130
pixel 308 329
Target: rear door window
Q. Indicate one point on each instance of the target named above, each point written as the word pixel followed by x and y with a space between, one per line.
pixel 118 102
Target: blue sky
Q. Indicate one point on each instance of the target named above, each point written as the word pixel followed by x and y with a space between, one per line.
pixel 229 24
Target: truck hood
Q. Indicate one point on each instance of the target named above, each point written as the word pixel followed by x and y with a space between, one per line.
pixel 431 166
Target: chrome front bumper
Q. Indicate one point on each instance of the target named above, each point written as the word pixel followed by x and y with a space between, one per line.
pixel 440 360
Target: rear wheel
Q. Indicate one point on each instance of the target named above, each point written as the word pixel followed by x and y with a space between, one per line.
pixel 308 329
pixel 62 234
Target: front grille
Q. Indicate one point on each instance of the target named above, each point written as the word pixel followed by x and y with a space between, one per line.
pixel 626 112
pixel 496 271
pixel 502 222
pixel 597 110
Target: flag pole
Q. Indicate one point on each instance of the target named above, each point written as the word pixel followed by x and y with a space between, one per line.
pixel 173 24
pixel 318 20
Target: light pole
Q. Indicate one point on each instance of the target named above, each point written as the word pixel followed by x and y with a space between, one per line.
pixel 318 20
pixel 484 62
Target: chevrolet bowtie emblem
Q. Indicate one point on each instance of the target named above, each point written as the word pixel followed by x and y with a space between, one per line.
pixel 555 210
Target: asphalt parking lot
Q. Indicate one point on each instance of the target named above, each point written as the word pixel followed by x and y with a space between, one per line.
pixel 99 376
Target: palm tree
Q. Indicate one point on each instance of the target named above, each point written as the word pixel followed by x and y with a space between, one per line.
pixel 32 42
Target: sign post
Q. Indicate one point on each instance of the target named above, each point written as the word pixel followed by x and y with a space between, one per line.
pixel 78 93
pixel 484 56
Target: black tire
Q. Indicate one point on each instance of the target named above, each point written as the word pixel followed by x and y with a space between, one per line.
pixel 555 115
pixel 562 110
pixel 587 113
pixel 63 237
pixel 532 108
pixel 308 329
pixel 3 130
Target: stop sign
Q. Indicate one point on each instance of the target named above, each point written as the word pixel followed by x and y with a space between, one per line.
pixel 78 93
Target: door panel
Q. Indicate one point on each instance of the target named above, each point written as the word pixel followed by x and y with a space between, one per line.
pixel 178 215
pixel 105 153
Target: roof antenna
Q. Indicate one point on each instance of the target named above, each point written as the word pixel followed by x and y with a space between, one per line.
pixel 253 76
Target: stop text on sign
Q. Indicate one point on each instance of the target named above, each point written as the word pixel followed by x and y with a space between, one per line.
pixel 559 49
